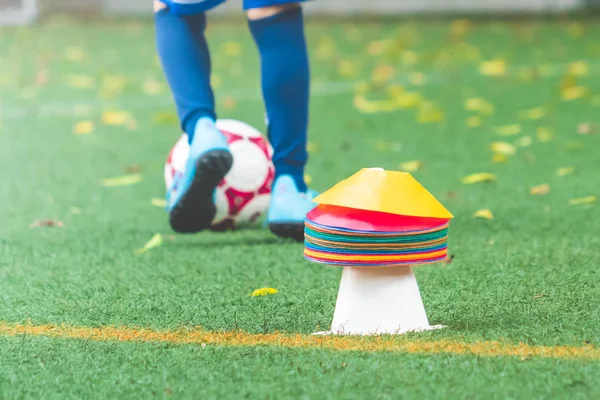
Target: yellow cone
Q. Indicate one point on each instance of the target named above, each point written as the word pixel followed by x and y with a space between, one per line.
pixel 390 192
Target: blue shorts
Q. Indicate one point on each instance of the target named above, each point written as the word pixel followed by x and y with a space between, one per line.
pixel 189 7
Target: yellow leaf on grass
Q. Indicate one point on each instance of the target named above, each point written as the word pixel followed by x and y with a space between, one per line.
pixel 116 118
pixel 307 179
pixel 377 47
pixel 503 148
pixel 583 200
pixel 524 141
pixel 112 85
pixel 493 68
pixel 416 78
pixel 165 118
pixel 83 127
pixel 540 189
pixel 480 105
pixel 152 87
pixel 543 135
pixel 264 292
pixel 124 180
pixel 573 93
pixel 156 202
pixel 311 147
pixel 460 26
pixel 407 100
pixel 232 48
pixel 578 68
pixel 533 113
pixel 478 178
pixel 215 81
pixel 485 214
pixel 154 242
pixel 80 81
pixel 474 122
pixel 373 106
pixel 325 48
pixel 564 171
pixel 383 73
pixel 75 210
pixel 409 57
pixel 429 112
pixel 411 166
pixel 74 53
pixel 499 158
pixel 509 130
pixel 346 69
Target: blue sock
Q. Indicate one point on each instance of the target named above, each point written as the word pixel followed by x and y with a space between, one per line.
pixel 285 86
pixel 184 55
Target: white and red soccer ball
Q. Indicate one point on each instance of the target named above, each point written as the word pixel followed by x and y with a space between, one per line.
pixel 245 192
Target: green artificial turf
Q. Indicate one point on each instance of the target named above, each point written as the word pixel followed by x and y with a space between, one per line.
pixel 529 275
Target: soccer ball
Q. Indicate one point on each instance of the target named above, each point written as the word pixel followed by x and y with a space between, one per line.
pixel 245 192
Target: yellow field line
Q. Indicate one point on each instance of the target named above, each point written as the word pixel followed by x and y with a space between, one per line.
pixel 399 344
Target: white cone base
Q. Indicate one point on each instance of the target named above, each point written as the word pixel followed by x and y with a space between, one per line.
pixel 375 301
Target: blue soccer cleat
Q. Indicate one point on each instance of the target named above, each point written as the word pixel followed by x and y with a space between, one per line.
pixel 190 199
pixel 288 208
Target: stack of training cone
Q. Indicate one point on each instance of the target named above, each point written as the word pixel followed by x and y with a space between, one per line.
pixel 377 219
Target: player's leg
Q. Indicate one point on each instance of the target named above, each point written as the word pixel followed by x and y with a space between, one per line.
pixel 185 59
pixel 278 30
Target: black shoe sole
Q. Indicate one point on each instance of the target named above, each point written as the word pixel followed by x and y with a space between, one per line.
pixel 195 210
pixel 290 230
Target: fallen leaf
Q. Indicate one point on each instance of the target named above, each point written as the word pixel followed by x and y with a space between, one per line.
pixel 325 48
pixel 165 118
pixel 533 114
pixel 540 189
pixel 263 292
pixel 525 141
pixel 543 135
pixel 383 73
pixel 460 27
pixel 582 200
pixel 122 180
pixel 499 158
pixel 575 30
pixel 416 78
pixel 152 87
pixel 451 195
pixel 133 169
pixel 74 53
pixel 407 100
pixel 83 127
pixel 573 93
pixel 47 223
pixel 117 118
pixel 232 49
pixel 478 178
pixel 311 147
pixel 215 81
pixel 229 103
pixel 509 130
pixel 478 104
pixel 503 148
pixel 162 203
pixel 154 242
pixel 473 122
pixel 307 179
pixel 429 112
pixel 578 68
pixel 485 214
pixel 377 47
pixel 493 68
pixel 409 57
pixel 564 171
pixel 539 296
pixel 373 106
pixel 411 166
pixel 449 259
pixel 585 129
pixel 80 81
pixel 75 210
pixel 112 86
pixel 347 69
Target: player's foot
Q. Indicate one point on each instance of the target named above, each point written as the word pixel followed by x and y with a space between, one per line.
pixel 288 208
pixel 190 199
